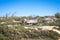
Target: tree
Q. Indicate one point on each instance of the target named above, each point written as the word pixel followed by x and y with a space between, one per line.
pixel 57 22
pixel 57 15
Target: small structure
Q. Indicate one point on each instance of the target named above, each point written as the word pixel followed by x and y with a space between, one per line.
pixel 31 21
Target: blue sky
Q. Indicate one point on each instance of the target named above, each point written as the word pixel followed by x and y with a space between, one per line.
pixel 29 7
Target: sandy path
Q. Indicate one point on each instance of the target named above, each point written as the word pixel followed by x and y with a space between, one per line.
pixel 57 32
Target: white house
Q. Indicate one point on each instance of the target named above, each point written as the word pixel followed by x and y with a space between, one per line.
pixel 31 21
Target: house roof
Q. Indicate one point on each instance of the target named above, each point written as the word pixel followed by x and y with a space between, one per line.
pixel 32 21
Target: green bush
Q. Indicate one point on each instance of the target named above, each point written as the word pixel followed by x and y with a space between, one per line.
pixel 2 37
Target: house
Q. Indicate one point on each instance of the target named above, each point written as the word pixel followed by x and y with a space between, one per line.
pixel 31 21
